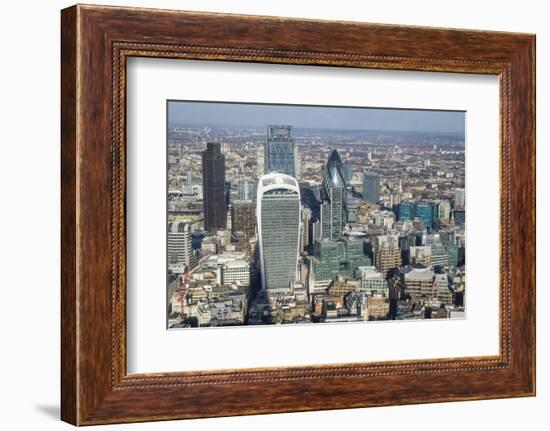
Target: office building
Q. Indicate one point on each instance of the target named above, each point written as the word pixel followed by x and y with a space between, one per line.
pixel 371 188
pixel 246 191
pixel 439 254
pixel 371 280
pixel 297 163
pixel 425 211
pixel 337 257
pixel 459 217
pixel 279 229
pixel 333 198
pixel 387 254
pixel 234 269
pixel 406 211
pixel 180 250
pixel 419 282
pixel 260 160
pixel 348 172
pixel 243 218
pixel 214 187
pixel 444 211
pixel 306 229
pixel 279 151
pixel 460 199
pixel 421 254
pixel 352 205
pixel 452 255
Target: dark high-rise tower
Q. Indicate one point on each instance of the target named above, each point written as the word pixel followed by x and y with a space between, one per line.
pixel 213 183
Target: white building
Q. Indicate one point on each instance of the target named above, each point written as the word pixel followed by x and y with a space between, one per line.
pixel 460 198
pixel 279 216
pixel 444 209
pixel 180 249
pixel 235 268
pixel 371 280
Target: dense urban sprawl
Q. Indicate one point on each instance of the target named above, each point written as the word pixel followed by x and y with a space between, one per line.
pixel 289 225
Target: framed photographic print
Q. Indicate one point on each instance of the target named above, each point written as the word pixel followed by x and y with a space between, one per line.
pixel 265 215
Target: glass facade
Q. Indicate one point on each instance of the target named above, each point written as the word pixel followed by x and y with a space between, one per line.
pixel 459 216
pixel 452 255
pixel 214 187
pixel 340 257
pixel 279 230
pixel 333 198
pixel 280 155
pixel 427 212
pixel 423 210
pixel 371 188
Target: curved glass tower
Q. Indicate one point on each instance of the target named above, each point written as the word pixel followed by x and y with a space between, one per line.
pixel 278 213
pixel 334 212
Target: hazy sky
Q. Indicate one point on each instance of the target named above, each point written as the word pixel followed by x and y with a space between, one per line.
pixel 257 115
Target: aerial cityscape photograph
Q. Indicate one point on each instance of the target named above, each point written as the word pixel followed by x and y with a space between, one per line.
pixel 299 214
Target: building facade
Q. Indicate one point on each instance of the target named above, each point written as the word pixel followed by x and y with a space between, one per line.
pixel 460 199
pixel 333 198
pixel 214 193
pixel 280 155
pixel 387 254
pixel 425 211
pixel 279 230
pixel 371 280
pixel 180 250
pixel 371 188
pixel 243 219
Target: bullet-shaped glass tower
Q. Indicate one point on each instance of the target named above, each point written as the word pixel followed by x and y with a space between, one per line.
pixel 278 215
pixel 334 212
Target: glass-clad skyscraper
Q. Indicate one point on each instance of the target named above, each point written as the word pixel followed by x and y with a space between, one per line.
pixel 334 212
pixel 278 213
pixel 213 180
pixel 371 188
pixel 279 151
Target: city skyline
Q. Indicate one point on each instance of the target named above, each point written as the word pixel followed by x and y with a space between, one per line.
pixel 270 226
pixel 256 115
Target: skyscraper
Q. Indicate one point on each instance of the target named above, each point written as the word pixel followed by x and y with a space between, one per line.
pixel 334 214
pixel 213 180
pixel 460 199
pixel 348 172
pixel 260 160
pixel 279 151
pixel 371 188
pixel 278 214
pixel 444 211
